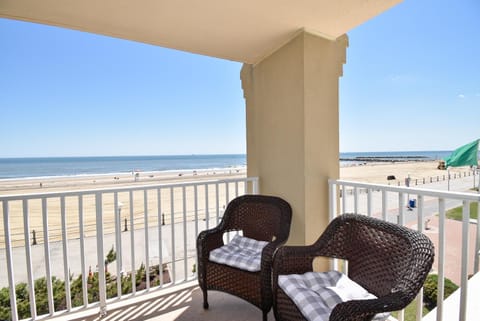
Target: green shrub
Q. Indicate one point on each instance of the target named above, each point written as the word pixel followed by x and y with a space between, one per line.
pixel 58 287
pixel 430 290
pixel 4 304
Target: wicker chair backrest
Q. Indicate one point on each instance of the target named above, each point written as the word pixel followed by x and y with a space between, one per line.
pixel 382 257
pixel 260 217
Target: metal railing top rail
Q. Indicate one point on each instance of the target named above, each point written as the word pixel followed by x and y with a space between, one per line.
pixel 411 190
pixel 122 189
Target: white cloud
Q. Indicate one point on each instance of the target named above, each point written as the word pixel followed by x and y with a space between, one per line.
pixel 461 96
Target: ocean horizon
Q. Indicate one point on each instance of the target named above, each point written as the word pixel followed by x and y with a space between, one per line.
pixel 35 167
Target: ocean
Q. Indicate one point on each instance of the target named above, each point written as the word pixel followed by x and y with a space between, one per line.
pixel 72 166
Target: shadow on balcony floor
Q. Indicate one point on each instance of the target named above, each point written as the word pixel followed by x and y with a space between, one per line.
pixel 184 304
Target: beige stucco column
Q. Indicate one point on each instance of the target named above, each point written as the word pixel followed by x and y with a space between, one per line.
pixel 293 127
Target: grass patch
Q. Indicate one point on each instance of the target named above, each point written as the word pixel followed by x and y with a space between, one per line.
pixel 411 312
pixel 456 213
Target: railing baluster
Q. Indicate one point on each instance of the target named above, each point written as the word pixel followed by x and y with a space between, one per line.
pixel 401 209
pixel 132 243
pixel 332 206
pixel 401 315
pixel 441 258
pixel 477 242
pixel 384 205
pixel 227 193
pixel 369 201
pixel 147 250
pixel 28 252
pixel 464 274
pixel 82 251
pixel 66 265
pixel 8 248
pixel 344 200
pixel 207 216
pixel 217 202
pixel 160 238
pixel 227 200
pixel 172 223
pixel 420 228
pixel 355 200
pixel 46 246
pixel 102 291
pixel 195 205
pixel 185 258
pixel 118 244
pixel 256 187
pixel 401 221
pixel 236 189
pixel 332 213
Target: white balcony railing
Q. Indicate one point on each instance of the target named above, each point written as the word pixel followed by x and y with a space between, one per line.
pixel 63 235
pixel 393 204
pixel 67 235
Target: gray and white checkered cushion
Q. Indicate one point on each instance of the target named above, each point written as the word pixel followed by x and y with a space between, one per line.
pixel 316 293
pixel 241 252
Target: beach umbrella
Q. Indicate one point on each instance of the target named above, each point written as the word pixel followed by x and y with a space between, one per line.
pixel 466 155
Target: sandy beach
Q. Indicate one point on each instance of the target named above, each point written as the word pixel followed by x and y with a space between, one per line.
pixel 419 173
pixel 151 201
pixel 378 172
pixel 96 182
pixel 370 172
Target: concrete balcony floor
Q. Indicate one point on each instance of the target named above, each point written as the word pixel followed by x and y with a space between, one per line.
pixel 180 303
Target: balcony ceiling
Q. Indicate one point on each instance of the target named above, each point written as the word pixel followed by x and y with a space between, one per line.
pixel 245 31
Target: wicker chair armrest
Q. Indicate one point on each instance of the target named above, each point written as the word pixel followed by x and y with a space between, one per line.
pixel 209 240
pixel 294 259
pixel 359 310
pixel 268 253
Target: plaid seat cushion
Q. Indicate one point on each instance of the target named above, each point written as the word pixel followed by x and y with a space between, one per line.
pixel 242 252
pixel 316 294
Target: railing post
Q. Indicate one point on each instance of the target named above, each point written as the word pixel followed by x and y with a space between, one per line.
pixel 102 293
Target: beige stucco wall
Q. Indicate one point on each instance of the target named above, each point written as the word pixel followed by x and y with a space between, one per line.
pixel 293 129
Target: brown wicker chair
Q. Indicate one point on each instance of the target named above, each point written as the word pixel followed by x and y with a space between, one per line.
pixel 386 259
pixel 264 218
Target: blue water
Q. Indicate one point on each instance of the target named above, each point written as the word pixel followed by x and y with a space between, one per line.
pixel 68 166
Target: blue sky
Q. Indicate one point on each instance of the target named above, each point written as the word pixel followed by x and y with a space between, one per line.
pixel 411 82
